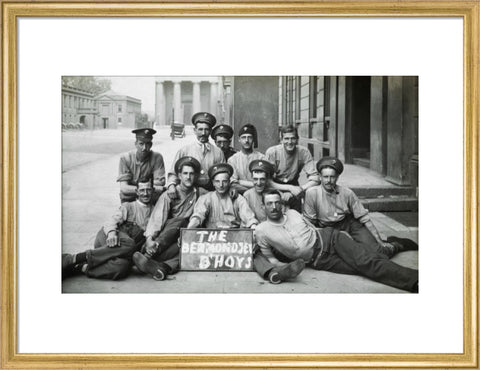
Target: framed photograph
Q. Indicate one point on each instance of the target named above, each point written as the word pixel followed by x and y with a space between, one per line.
pixel 390 89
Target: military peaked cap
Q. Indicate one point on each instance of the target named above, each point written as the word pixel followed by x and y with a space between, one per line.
pixel 204 117
pixel 262 165
pixel 225 130
pixel 220 168
pixel 189 161
pixel 144 134
pixel 331 162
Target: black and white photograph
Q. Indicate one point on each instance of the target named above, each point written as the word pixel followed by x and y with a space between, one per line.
pixel 239 184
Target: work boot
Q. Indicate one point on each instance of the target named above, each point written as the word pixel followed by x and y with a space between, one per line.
pixel 286 272
pixel 157 270
pixel 402 244
pixel 69 267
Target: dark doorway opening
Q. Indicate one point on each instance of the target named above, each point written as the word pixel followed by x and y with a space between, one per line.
pixel 360 121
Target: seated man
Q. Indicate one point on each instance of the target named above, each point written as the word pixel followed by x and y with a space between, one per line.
pixel 329 204
pixel 217 209
pixel 262 172
pixel 116 241
pixel 289 237
pixel 161 254
pixel 289 160
pixel 241 178
pixel 141 163
pixel 222 134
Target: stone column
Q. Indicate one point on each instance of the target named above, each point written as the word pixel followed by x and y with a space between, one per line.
pixel 177 102
pixel 213 98
pixel 196 106
pixel 160 103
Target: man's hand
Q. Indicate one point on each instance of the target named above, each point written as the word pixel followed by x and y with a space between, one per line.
pixel 172 191
pixel 112 239
pixel 233 193
pixel 286 196
pixel 296 191
pixel 151 247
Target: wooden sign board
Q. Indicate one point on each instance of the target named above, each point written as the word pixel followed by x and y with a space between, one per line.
pixel 216 250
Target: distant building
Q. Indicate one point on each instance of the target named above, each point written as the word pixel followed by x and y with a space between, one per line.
pixel 106 110
pixel 178 98
pixel 78 106
pixel 116 110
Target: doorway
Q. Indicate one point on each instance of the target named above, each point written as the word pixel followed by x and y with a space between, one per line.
pixel 359 121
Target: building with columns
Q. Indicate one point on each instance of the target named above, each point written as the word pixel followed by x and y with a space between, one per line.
pixel 178 98
pixel 78 106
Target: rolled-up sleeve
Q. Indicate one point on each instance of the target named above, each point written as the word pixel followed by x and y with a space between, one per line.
pixel 309 165
pixel 357 209
pixel 117 219
pixel 158 170
pixel 124 172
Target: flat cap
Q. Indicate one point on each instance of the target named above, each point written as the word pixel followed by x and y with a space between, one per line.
pixel 220 168
pixel 144 134
pixel 225 130
pixel 262 165
pixel 189 161
pixel 204 117
pixel 331 162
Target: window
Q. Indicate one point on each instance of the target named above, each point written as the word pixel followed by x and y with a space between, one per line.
pixel 119 108
pixel 119 120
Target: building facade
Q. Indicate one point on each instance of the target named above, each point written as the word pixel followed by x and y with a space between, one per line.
pixel 78 106
pixel 367 121
pixel 117 110
pixel 107 110
pixel 178 98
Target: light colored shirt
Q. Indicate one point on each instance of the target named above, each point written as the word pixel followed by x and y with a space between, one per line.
pixel 288 166
pixel 134 212
pixel 166 208
pixel 131 170
pixel 255 203
pixel 294 238
pixel 240 162
pixel 207 154
pixel 326 209
pixel 219 212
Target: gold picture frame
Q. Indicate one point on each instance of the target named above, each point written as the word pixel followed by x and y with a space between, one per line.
pixel 467 10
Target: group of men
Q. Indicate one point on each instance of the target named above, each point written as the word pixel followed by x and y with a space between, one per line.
pixel 318 224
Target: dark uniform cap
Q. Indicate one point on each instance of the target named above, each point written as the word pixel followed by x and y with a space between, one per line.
pixel 225 130
pixel 220 168
pixel 144 134
pixel 262 165
pixel 331 162
pixel 249 129
pixel 204 117
pixel 189 161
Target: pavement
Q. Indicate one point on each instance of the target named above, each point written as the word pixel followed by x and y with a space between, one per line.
pixel 90 196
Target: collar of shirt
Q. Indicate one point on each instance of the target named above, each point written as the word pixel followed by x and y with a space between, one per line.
pixel 142 204
pixel 205 147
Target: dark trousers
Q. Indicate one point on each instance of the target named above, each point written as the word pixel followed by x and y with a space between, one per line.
pixel 168 249
pixel 114 263
pixel 346 256
pixel 262 265
pixel 358 232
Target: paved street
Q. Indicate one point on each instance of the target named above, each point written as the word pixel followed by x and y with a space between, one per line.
pixel 90 196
